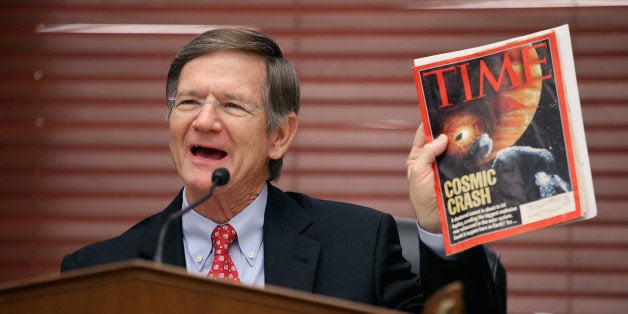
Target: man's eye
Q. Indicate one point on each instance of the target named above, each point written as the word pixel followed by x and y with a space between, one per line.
pixel 188 104
pixel 233 106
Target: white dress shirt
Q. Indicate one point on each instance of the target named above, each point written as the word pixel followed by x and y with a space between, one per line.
pixel 247 252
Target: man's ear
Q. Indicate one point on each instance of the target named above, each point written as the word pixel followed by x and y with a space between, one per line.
pixel 282 137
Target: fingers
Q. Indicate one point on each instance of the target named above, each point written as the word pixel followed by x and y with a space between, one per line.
pixel 421 179
pixel 426 153
pixel 419 137
pixel 438 145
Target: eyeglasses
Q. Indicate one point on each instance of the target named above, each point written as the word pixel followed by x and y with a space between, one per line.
pixel 193 106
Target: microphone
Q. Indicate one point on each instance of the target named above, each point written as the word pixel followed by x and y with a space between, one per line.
pixel 220 177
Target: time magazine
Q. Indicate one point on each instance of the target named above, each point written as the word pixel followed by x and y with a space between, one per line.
pixel 516 158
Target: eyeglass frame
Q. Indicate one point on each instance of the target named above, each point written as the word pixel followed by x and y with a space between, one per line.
pixel 219 106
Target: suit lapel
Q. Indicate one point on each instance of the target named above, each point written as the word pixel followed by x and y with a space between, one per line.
pixel 290 258
pixel 173 242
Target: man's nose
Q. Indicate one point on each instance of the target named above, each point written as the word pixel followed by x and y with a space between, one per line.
pixel 208 119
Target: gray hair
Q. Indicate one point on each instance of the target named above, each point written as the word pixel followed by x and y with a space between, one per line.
pixel 281 93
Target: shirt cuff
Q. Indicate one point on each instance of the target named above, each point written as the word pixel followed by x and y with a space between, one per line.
pixel 435 242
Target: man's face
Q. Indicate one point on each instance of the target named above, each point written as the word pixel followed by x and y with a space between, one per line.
pixel 203 142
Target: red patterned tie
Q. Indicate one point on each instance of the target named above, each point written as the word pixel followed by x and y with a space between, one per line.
pixel 222 266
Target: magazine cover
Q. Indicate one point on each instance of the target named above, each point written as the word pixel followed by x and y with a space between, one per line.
pixel 516 159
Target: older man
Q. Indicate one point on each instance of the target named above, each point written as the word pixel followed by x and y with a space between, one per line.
pixel 233 102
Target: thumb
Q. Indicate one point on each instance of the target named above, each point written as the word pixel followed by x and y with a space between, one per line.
pixel 422 153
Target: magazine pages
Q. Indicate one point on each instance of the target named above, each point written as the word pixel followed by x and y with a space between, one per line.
pixel 516 158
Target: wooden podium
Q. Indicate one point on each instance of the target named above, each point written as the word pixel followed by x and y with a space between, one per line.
pixel 144 287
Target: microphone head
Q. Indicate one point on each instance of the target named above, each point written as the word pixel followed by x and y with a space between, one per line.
pixel 220 176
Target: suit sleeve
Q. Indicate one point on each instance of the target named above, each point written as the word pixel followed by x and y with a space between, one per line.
pixel 68 263
pixel 398 286
pixel 479 270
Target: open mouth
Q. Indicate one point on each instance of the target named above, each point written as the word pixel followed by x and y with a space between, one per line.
pixel 208 153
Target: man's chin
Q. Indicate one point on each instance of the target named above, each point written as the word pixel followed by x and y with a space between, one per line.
pixel 199 185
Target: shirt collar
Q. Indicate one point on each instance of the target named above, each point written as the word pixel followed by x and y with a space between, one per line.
pixel 248 225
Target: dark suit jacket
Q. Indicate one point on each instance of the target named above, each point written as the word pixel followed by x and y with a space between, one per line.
pixel 325 247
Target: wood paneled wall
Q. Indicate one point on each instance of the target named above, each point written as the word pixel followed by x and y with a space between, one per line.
pixel 83 134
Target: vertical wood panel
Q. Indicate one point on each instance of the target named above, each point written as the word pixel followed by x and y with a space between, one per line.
pixel 84 138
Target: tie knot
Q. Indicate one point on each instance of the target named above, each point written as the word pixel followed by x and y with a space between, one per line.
pixel 222 238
